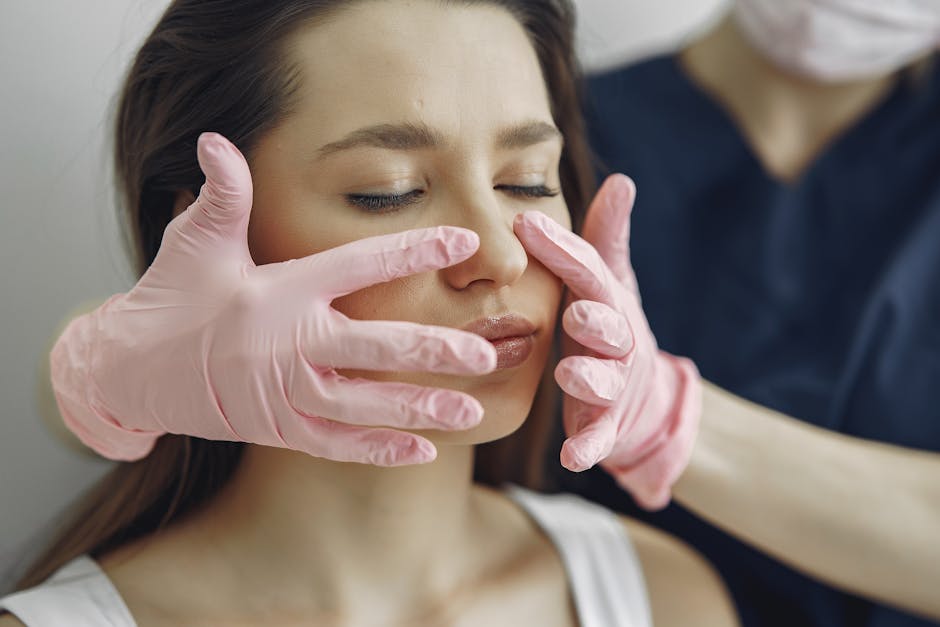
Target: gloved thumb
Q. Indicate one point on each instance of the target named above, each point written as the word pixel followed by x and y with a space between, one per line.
pixel 224 203
pixel 607 224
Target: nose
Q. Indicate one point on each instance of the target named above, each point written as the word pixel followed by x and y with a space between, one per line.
pixel 501 259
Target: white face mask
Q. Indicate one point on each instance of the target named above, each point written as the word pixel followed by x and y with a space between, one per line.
pixel 840 40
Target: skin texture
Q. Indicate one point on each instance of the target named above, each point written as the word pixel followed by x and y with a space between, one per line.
pixel 294 538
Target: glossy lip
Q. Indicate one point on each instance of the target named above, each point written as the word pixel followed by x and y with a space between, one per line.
pixel 512 335
pixel 501 326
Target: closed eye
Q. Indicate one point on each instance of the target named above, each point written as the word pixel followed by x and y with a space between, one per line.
pixel 529 191
pixel 384 202
pixel 379 203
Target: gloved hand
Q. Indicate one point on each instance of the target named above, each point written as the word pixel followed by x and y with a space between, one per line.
pixel 629 406
pixel 209 344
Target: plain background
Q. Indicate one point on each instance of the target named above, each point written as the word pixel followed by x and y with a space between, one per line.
pixel 60 67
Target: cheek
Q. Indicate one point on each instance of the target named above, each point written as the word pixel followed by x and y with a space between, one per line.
pixel 558 211
pixel 564 217
pixel 276 235
pixel 549 290
pixel 288 222
pixel 401 299
pixel 284 226
pixel 549 286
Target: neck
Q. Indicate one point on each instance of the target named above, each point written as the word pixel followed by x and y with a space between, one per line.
pixel 787 119
pixel 335 533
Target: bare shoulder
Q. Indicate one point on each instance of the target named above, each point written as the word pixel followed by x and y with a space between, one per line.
pixel 8 620
pixel 684 588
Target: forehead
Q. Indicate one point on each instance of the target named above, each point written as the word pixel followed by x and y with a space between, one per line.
pixel 457 67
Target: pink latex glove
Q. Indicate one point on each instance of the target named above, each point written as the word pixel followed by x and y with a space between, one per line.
pixel 629 406
pixel 209 344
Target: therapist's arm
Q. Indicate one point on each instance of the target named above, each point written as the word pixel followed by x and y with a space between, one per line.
pixel 863 516
pixel 860 515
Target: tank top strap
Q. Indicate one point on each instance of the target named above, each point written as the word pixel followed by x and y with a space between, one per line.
pixel 604 572
pixel 79 594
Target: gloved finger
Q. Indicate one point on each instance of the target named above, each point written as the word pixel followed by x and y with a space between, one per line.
pixel 568 256
pixel 380 403
pixel 406 346
pixel 591 444
pixel 382 258
pixel 607 224
pixel 344 443
pixel 222 209
pixel 598 327
pixel 597 381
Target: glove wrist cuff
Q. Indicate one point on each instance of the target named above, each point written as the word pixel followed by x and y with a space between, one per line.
pixel 657 465
pixel 70 364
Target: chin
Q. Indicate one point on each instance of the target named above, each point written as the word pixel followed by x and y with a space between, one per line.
pixel 501 418
pixel 507 398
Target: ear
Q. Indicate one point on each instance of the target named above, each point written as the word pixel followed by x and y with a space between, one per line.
pixel 184 198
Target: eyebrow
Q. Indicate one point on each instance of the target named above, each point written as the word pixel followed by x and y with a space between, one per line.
pixel 410 136
pixel 527 134
pixel 389 136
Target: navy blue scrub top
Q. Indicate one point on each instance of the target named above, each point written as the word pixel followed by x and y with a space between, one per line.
pixel 820 298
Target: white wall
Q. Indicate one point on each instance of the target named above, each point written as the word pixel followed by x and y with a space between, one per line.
pixel 611 32
pixel 60 65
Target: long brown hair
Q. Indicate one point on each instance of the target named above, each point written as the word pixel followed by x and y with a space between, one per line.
pixel 220 65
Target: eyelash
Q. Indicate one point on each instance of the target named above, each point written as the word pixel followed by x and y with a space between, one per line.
pixel 376 203
pixel 381 202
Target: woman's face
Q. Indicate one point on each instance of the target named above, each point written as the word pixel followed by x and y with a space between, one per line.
pixel 418 114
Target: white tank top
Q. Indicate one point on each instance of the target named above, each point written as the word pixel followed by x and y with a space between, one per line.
pixel 603 571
